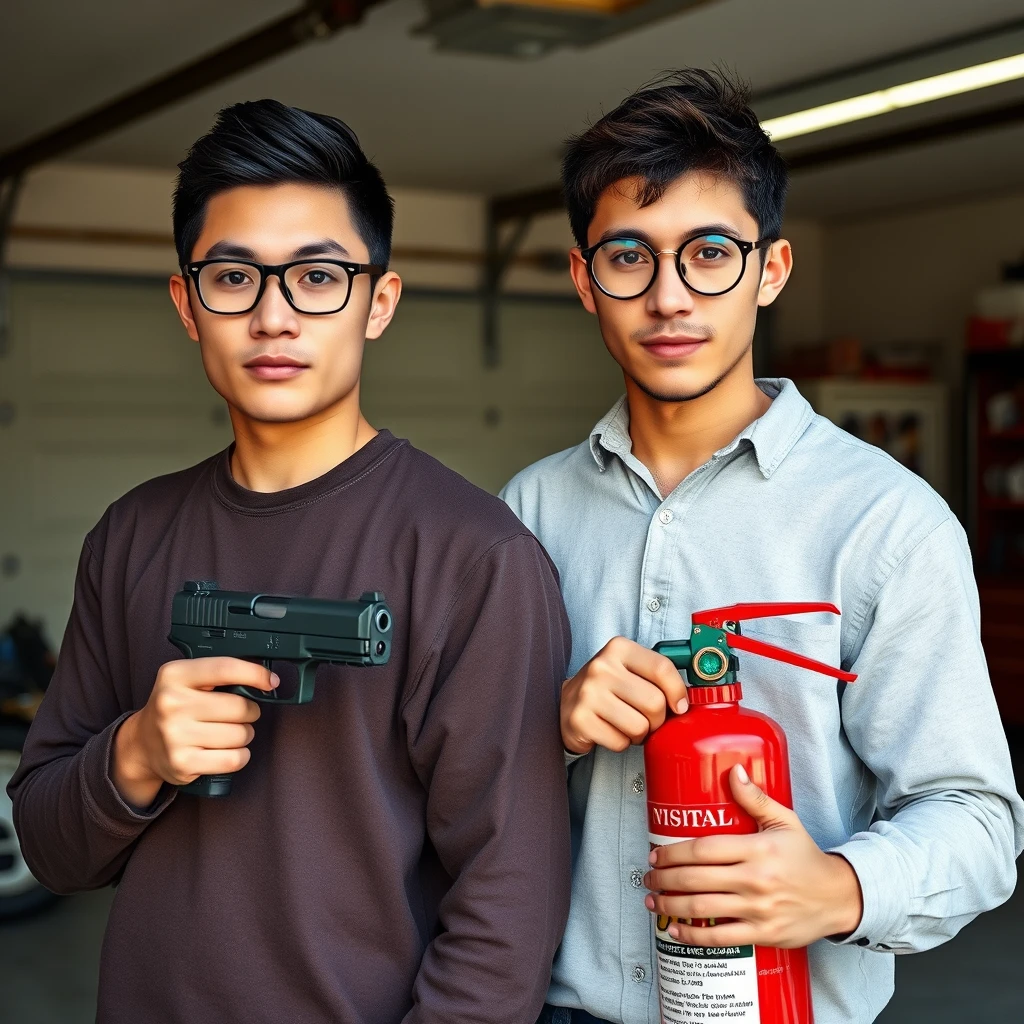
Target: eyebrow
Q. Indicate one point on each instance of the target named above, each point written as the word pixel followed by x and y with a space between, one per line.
pixel 232 250
pixel 643 236
pixel 324 246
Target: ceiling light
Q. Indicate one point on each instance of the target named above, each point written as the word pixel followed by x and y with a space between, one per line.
pixel 534 28
pixel 897 97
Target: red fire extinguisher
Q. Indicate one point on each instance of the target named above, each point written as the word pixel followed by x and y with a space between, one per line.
pixel 687 763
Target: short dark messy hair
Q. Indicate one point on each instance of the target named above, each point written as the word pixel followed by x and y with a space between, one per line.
pixel 264 142
pixel 688 120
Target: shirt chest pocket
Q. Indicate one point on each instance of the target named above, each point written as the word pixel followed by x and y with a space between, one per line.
pixel 819 639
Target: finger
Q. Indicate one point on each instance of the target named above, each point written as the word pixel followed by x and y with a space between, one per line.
pixel 190 764
pixel 622 717
pixel 643 696
pixel 703 878
pixel 707 850
pixel 768 813
pixel 703 906
pixel 593 730
pixel 206 706
pixel 206 673
pixel 219 735
pixel 736 933
pixel 655 668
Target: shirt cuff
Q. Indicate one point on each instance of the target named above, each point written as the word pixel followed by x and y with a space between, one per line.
pixel 104 805
pixel 884 894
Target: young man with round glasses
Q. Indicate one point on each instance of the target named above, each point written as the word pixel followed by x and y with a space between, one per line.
pixel 378 857
pixel 704 487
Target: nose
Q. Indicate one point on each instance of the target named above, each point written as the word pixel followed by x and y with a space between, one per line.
pixel 273 317
pixel 669 296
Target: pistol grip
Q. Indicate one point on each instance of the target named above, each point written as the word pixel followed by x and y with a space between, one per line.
pixel 208 785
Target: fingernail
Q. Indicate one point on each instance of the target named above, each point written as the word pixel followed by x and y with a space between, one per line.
pixel 275 679
pixel 653 859
pixel 673 931
pixel 681 707
pixel 741 774
pixel 649 902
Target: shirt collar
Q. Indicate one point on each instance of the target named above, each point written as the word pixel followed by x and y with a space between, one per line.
pixel 771 436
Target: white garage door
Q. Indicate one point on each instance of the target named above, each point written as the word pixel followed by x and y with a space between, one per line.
pixel 100 389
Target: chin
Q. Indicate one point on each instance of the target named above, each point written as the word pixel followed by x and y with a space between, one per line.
pixel 281 409
pixel 675 387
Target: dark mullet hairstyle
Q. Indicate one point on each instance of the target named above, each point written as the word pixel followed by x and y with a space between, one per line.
pixel 687 120
pixel 264 142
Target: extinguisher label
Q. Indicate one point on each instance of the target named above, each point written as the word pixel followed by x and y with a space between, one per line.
pixel 703 983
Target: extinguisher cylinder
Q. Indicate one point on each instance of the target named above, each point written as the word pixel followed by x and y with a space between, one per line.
pixel 687 764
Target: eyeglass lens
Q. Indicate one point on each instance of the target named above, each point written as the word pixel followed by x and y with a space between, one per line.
pixel 229 287
pixel 710 265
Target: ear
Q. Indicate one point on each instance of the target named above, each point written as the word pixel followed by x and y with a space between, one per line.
pixel 778 265
pixel 383 304
pixel 581 279
pixel 183 304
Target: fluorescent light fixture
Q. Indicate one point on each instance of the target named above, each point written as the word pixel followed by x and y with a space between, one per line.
pixel 803 122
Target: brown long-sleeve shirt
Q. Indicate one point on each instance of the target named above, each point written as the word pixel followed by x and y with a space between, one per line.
pixel 397 850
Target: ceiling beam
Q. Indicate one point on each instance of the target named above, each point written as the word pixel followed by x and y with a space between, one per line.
pixel 315 19
pixel 549 199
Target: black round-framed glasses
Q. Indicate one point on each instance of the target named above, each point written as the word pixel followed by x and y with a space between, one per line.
pixel 315 287
pixel 709 264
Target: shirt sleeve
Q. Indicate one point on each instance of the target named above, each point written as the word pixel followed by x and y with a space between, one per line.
pixel 485 742
pixel 75 830
pixel 923 719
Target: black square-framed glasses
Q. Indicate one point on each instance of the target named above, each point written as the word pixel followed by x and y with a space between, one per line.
pixel 315 287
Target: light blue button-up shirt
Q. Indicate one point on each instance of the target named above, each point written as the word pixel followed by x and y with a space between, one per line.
pixel 906 773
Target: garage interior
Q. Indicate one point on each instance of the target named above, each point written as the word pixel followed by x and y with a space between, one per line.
pixel 903 322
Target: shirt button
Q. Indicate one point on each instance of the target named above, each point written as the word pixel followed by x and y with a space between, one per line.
pixel 654 604
pixel 665 515
pixel 638 783
pixel 636 878
pixel 639 974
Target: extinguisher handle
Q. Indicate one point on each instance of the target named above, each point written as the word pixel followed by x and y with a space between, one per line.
pixel 716 617
pixel 752 646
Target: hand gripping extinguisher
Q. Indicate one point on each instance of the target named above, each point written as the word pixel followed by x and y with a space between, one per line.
pixel 687 763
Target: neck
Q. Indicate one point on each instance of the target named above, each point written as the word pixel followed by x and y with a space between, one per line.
pixel 275 456
pixel 672 439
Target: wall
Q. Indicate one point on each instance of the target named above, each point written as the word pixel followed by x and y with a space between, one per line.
pixel 90 198
pixel 914 274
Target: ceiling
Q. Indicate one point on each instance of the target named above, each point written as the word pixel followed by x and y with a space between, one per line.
pixel 468 123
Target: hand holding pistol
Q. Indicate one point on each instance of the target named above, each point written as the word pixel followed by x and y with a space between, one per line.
pixel 195 729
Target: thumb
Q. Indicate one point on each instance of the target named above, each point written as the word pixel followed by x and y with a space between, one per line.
pixel 768 813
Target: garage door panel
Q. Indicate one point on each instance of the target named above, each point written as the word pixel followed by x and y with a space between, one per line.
pixel 76 330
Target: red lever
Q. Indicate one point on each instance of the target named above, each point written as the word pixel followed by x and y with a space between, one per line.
pixel 752 646
pixel 715 617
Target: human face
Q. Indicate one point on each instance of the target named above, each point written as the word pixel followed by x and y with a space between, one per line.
pixel 274 364
pixel 672 343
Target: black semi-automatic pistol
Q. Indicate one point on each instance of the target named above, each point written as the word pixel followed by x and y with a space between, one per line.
pixel 207 622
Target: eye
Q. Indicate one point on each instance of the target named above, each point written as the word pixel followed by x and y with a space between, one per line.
pixel 318 276
pixel 234 278
pixel 624 258
pixel 710 253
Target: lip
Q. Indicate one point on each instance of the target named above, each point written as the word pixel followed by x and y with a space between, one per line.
pixel 673 346
pixel 275 367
